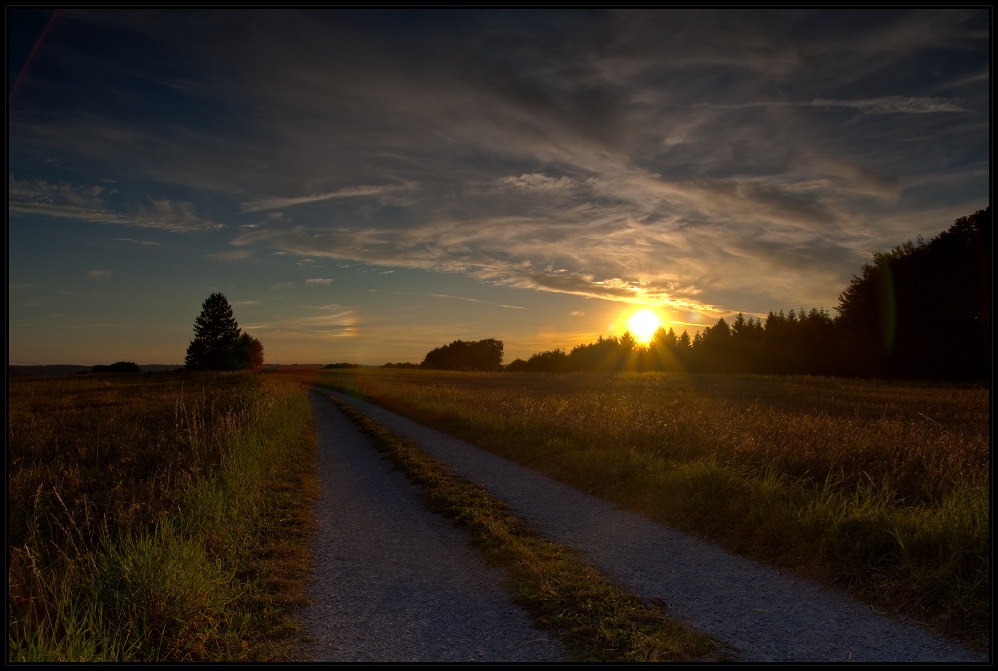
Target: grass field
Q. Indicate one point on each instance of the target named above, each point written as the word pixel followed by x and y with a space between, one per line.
pixel 879 488
pixel 156 517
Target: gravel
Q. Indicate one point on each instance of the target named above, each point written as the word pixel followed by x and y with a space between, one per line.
pixel 393 582
pixel 765 615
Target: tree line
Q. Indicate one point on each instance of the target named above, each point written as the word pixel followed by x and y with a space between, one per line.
pixel 921 310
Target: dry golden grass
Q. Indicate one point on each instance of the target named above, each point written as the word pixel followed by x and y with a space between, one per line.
pixel 137 506
pixel 879 487
pixel 105 447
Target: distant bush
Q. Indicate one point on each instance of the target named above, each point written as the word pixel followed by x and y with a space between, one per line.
pixel 118 367
pixel 342 365
pixel 407 364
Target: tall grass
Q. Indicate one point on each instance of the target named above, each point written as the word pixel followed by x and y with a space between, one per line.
pixel 881 488
pixel 140 511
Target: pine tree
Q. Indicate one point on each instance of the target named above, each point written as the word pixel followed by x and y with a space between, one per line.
pixel 215 335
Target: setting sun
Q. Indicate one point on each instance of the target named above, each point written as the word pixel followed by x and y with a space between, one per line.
pixel 643 325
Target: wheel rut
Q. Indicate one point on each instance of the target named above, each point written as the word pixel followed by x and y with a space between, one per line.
pixel 393 582
pixel 765 615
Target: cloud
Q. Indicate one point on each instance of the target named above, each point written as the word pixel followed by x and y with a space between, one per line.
pixel 476 251
pixel 139 242
pixel 334 324
pixel 99 274
pixel 232 255
pixel 893 105
pixel 66 201
pixel 477 300
pixel 178 216
pixel 882 105
pixel 683 158
pixel 537 182
pixel 346 192
pixel 89 326
pixel 576 313
pixel 318 281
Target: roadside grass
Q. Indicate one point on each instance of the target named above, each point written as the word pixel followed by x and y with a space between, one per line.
pixel 157 517
pixel 596 620
pixel 879 488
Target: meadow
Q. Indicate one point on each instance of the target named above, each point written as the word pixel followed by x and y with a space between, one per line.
pixel 157 517
pixel 877 488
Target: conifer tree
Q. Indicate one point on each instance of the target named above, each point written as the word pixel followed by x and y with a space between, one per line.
pixel 215 335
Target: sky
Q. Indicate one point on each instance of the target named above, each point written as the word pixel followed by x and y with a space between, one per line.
pixel 365 186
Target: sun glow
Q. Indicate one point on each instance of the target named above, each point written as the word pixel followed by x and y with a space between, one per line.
pixel 643 325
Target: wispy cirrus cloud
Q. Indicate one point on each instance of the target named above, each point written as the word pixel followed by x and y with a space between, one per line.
pixel 705 161
pixel 477 300
pixel 334 324
pixel 67 201
pixel 318 282
pixel 232 255
pixel 537 182
pixel 894 105
pixel 479 252
pixel 99 274
pixel 625 235
pixel 881 105
pixel 278 203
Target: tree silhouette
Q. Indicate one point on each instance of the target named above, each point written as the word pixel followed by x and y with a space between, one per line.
pixel 746 345
pixel 248 352
pixel 661 353
pixel 684 343
pixel 923 309
pixel 606 354
pixel 466 355
pixel 118 367
pixel 218 344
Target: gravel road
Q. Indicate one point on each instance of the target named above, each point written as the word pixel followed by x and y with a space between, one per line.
pixel 394 582
pixel 765 615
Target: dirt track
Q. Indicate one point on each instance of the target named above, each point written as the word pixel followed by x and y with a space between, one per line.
pixel 766 616
pixel 393 582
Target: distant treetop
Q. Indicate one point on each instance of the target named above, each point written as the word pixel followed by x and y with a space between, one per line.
pixel 466 355
pixel 118 367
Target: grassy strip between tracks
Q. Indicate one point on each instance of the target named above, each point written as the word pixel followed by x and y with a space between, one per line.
pixel 157 518
pixel 596 620
pixel 880 489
